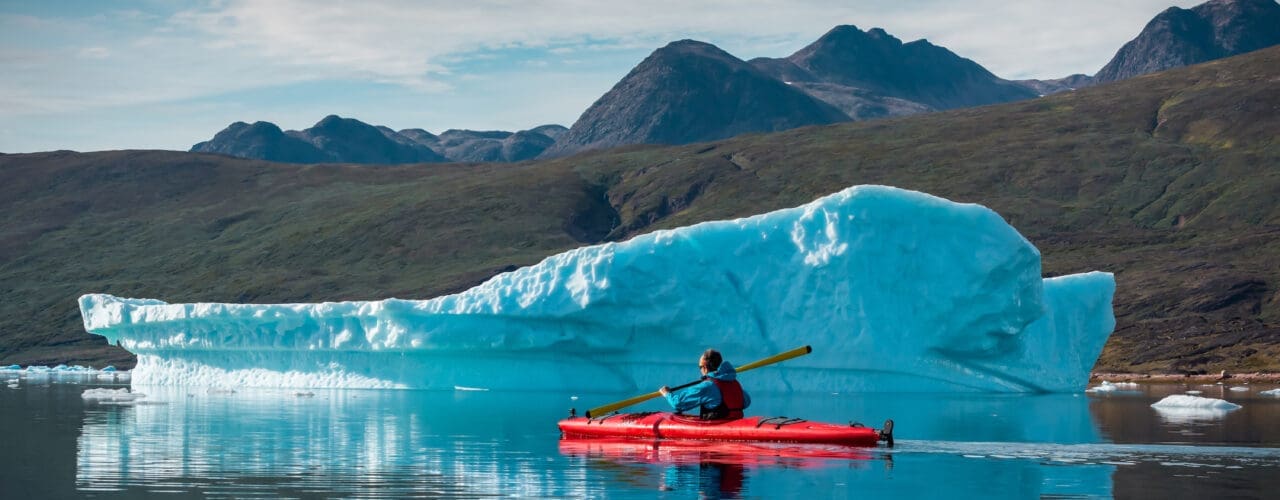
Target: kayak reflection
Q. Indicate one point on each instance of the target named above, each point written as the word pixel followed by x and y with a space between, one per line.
pixel 680 451
pixel 715 469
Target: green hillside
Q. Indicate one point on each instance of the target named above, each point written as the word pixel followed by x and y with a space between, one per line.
pixel 1171 181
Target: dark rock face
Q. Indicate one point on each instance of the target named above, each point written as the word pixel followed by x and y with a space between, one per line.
pixel 861 104
pixel 691 91
pixel 472 145
pixel 261 141
pixel 527 144
pixel 553 131
pixel 870 74
pixel 1047 87
pixel 418 136
pixel 353 141
pixel 1181 37
pixel 490 146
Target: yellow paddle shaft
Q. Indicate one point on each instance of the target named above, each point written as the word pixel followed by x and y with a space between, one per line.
pixel 611 407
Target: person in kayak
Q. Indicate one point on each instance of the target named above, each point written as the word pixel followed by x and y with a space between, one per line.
pixel 718 397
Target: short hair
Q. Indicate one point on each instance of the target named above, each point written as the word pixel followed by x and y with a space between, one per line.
pixel 713 359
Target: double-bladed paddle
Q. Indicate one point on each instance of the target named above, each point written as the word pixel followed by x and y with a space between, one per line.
pixel 794 353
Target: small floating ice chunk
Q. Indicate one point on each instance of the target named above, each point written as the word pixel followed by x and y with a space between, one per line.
pixel 1181 408
pixel 1272 392
pixel 1195 392
pixel 111 395
pixel 307 394
pixel 464 388
pixel 1239 388
pixel 109 368
pixel 136 402
pixel 1119 387
pixel 1103 387
pixel 11 368
pixel 1184 401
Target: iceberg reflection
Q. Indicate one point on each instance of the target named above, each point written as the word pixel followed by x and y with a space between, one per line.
pixel 372 443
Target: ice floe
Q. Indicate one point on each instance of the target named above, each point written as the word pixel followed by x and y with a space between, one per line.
pixel 1182 408
pixel 1117 387
pixel 111 395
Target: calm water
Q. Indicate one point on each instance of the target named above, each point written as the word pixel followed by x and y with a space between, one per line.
pixel 394 444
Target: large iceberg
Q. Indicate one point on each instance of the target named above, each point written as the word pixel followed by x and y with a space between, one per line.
pixel 895 290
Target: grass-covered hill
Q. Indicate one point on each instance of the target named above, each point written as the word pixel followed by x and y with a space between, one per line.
pixel 1171 181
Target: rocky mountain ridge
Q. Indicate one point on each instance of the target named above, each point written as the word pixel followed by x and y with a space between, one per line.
pixel 335 139
pixel 1181 37
pixel 690 91
pixel 880 66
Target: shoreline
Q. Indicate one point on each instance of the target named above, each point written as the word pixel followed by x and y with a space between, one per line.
pixel 1273 378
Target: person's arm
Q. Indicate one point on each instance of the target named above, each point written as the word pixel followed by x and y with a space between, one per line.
pixel 692 397
pixel 746 399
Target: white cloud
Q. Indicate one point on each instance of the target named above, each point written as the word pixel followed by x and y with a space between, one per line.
pixel 95 52
pixel 399 40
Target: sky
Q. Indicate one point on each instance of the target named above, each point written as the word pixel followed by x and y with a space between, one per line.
pixel 91 75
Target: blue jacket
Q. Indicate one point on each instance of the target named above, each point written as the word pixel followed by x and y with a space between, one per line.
pixel 705 392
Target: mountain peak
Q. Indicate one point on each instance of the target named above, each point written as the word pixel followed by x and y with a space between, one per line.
pixel 688 44
pixel 264 127
pixel 848 35
pixel 335 121
pixel 687 48
pixel 263 141
pixel 691 91
pixel 1180 37
pixel 876 62
pixel 880 34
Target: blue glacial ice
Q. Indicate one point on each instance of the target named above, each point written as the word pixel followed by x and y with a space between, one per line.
pixel 895 290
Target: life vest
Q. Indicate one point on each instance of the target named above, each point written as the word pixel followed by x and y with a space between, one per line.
pixel 731 401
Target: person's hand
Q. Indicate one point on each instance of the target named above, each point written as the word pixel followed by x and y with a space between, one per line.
pixel 664 390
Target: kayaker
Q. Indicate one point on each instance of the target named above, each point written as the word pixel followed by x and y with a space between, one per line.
pixel 718 397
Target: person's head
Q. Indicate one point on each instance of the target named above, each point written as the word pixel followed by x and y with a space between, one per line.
pixel 710 361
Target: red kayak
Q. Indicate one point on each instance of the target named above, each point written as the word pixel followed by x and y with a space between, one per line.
pixel 794 455
pixel 663 425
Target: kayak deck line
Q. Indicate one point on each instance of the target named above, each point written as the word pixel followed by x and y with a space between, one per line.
pixel 781 421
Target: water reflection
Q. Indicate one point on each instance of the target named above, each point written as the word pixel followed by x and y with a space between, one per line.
pixel 712 469
pixel 1131 419
pixel 470 444
pixel 360 443
pixel 1190 416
